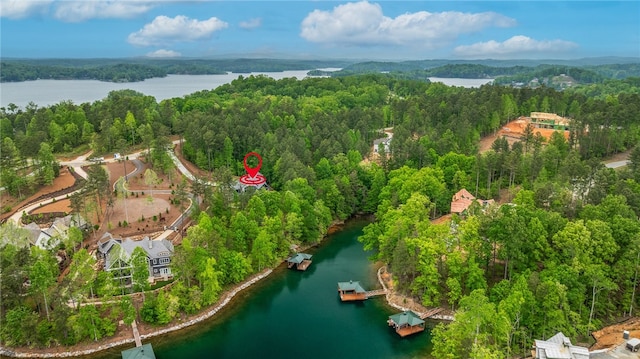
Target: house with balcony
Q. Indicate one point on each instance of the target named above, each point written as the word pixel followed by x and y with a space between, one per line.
pixel 115 254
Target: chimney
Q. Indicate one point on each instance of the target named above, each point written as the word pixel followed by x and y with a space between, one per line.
pixel 150 243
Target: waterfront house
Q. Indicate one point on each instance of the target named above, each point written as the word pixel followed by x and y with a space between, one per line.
pixel 406 323
pixel 116 256
pixel 351 290
pixel 301 261
pixel 462 200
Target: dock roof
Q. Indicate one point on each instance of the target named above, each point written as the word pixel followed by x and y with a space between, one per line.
pixel 351 286
pixel 406 318
pixel 298 258
pixel 143 352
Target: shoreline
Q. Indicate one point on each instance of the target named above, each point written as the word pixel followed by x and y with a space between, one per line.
pixel 416 307
pixel 222 302
pixel 112 343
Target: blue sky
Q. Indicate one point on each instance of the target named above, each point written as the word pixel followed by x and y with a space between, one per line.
pixel 382 30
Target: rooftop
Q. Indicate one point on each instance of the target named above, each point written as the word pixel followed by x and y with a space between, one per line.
pixel 559 347
pixel 406 318
pixel 298 258
pixel 351 286
pixel 143 352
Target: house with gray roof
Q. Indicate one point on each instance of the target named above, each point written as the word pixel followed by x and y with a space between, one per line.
pixel 116 256
pixel 382 145
pixel 559 347
pixel 48 238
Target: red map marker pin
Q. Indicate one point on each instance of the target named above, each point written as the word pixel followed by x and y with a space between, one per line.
pixel 252 171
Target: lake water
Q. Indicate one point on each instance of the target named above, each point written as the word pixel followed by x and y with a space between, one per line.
pixel 50 92
pixel 293 314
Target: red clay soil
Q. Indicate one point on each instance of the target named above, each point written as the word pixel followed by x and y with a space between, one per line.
pixel 513 131
pixel 57 206
pixel 63 181
pixel 136 209
pixel 611 336
pixel 116 170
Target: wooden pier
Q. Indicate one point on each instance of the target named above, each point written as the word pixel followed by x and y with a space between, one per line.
pixel 352 290
pixel 431 313
pixel 375 293
pixel 136 334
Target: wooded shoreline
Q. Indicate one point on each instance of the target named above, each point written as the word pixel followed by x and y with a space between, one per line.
pixel 111 343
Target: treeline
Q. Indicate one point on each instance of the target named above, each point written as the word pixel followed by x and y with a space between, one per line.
pixel 313 136
pixel 294 124
pixel 580 75
pixel 562 256
pixel 526 72
pixel 132 70
pixel 584 71
pixel 15 72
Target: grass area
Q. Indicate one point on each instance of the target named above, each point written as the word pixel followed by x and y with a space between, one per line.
pixel 161 284
pixel 66 156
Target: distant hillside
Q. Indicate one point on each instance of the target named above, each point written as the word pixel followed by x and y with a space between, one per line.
pixel 585 71
pixel 131 70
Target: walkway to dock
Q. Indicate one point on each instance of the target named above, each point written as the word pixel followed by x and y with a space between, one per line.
pixel 374 293
pixel 431 313
pixel 136 334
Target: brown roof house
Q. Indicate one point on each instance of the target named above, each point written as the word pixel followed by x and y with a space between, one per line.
pixel 462 200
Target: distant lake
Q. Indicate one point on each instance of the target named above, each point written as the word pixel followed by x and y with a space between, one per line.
pixel 50 92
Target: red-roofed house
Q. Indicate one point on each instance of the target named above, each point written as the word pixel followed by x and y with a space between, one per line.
pixel 462 200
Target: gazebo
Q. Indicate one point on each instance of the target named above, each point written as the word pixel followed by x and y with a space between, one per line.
pixel 406 323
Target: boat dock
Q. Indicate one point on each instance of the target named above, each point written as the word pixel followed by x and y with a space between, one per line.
pixel 352 290
pixel 301 261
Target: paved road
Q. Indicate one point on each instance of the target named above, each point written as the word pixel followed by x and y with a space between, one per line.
pixel 617 164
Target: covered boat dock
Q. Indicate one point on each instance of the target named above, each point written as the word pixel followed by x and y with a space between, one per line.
pixel 406 323
pixel 351 290
pixel 301 261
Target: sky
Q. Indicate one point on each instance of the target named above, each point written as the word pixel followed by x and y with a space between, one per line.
pixel 375 30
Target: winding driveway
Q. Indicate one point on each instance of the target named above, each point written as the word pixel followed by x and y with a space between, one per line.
pixel 81 161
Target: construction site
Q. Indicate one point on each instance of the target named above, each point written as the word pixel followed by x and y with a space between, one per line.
pixel 541 122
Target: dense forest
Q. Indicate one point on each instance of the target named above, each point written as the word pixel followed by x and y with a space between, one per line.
pixel 562 256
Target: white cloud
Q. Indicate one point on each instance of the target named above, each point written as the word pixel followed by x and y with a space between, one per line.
pixel 18 9
pixel 164 53
pixel 363 24
pixel 516 46
pixel 165 30
pixel 251 24
pixel 78 11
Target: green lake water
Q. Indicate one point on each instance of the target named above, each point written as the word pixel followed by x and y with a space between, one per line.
pixel 293 314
